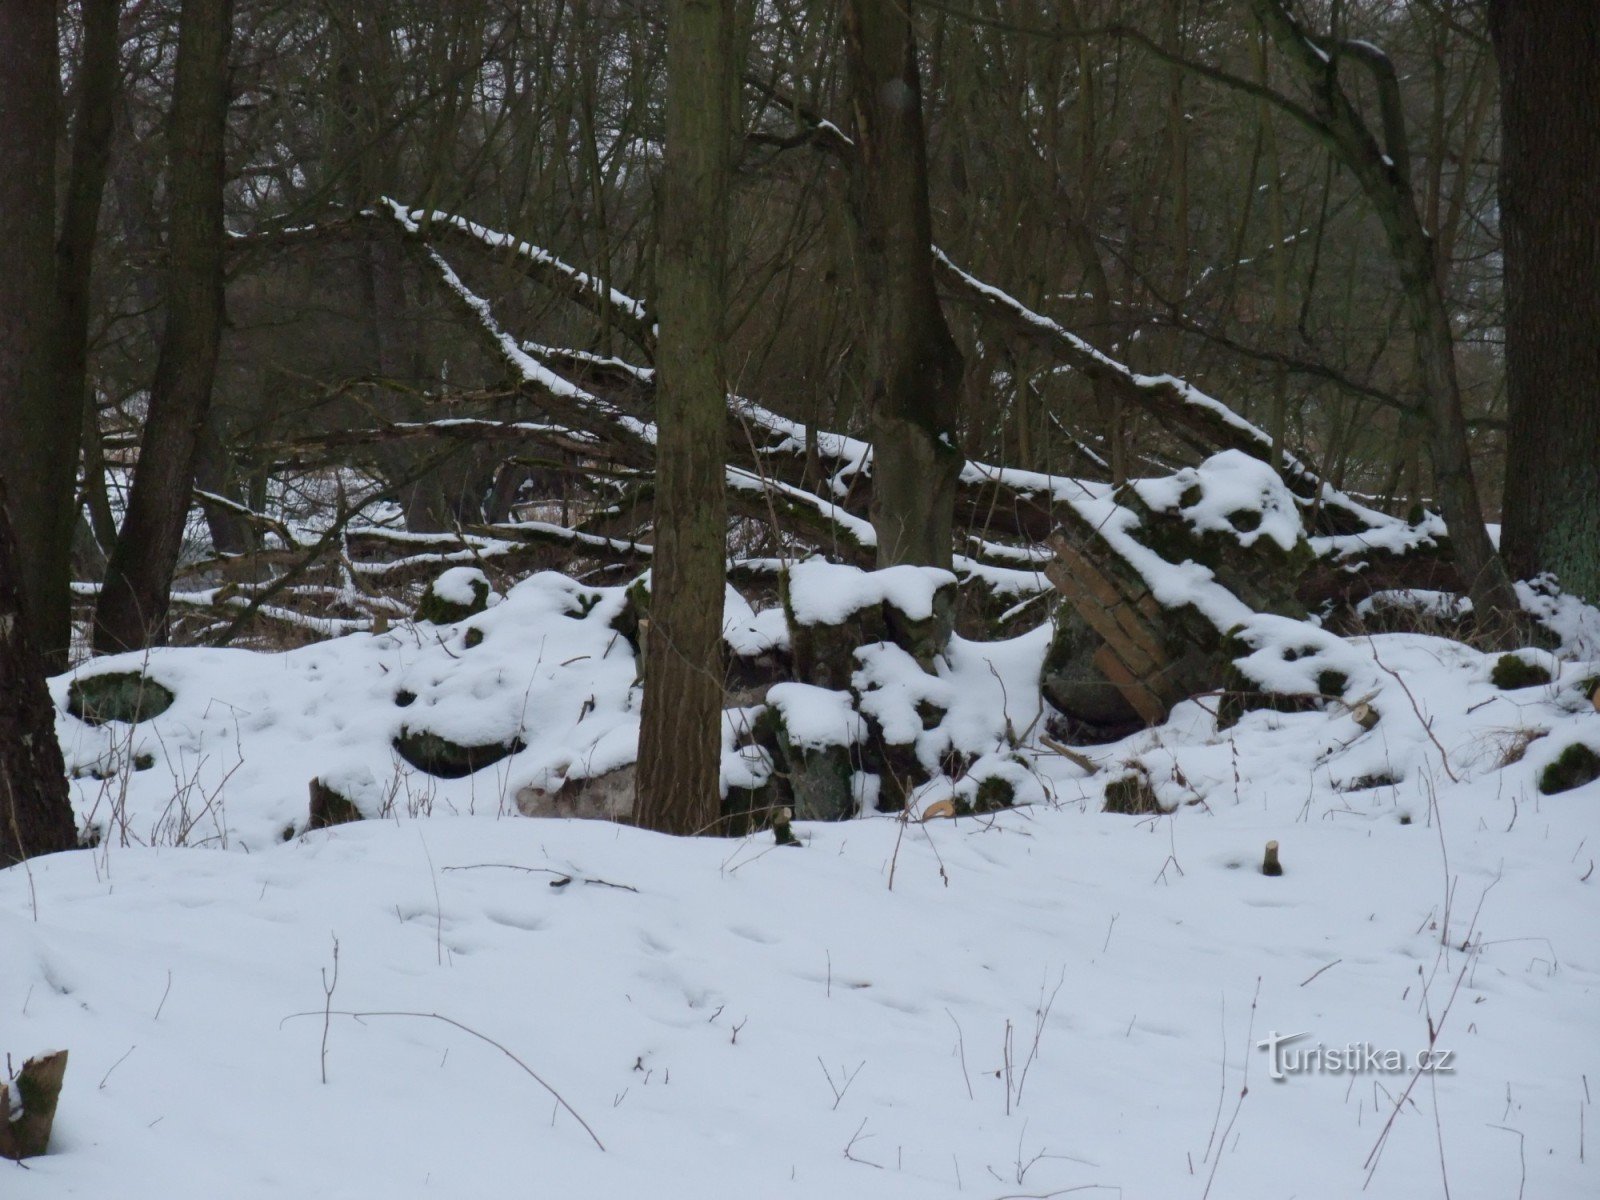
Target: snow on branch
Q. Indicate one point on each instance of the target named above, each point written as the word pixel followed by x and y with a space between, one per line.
pixel 626 312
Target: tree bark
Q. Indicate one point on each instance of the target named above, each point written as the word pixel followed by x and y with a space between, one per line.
pixel 75 245
pixel 133 605
pixel 1549 58
pixel 35 813
pixel 914 366
pixel 31 428
pixel 680 738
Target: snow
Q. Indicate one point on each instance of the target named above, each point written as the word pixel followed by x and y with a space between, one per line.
pixel 824 593
pixel 459 585
pixel 1229 483
pixel 1018 1004
pixel 816 717
pixel 1420 601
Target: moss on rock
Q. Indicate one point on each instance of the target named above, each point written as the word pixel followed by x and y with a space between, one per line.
pixel 436 755
pixel 994 793
pixel 1512 672
pixel 1575 766
pixel 128 696
pixel 441 603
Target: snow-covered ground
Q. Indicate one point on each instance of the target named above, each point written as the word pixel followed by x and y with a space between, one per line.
pixel 455 1000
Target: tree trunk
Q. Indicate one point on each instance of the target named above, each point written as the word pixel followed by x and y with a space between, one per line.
pixel 680 738
pixel 31 428
pixel 1549 56
pixel 914 366
pixel 80 225
pixel 35 814
pixel 1383 173
pixel 133 605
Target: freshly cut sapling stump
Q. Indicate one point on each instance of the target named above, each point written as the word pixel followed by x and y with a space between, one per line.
pixel 459 593
pixel 28 1105
pixel 1269 861
pixel 127 696
pixel 782 831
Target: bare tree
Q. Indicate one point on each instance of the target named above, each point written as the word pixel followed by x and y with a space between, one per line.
pixel 133 605
pixel 1383 171
pixel 31 428
pixel 680 740
pixel 914 367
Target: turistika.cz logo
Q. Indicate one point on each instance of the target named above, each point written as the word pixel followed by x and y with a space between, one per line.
pixel 1355 1058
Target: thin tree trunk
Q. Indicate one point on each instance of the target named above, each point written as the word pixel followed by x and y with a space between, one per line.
pixel 35 813
pixel 1383 173
pixel 133 605
pixel 75 246
pixel 914 366
pixel 31 428
pixel 1549 57
pixel 231 533
pixel 680 738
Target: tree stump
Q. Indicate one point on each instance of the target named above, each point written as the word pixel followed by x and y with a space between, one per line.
pixel 37 1087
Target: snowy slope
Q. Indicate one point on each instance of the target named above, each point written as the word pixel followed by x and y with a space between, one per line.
pixel 1047 999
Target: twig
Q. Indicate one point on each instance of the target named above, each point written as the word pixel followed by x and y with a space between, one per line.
pixel 961 1050
pixel 430 1016
pixel 113 1067
pixel 561 877
pixel 1244 1090
pixel 838 1092
pixel 1319 971
pixel 850 1145
pixel 327 1005
pixel 1427 726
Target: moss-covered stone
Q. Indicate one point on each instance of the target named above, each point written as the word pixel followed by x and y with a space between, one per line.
pixel 924 638
pixel 994 793
pixel 1077 688
pixel 819 778
pixel 128 696
pixel 1512 672
pixel 608 796
pixel 1575 766
pixel 1263 574
pixel 895 763
pixel 747 810
pixel 439 609
pixel 1242 694
pixel 824 655
pixel 439 756
pixel 814 781
pixel 748 676
pixel 1332 684
pixel 472 638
